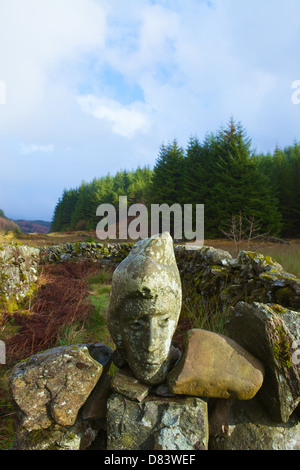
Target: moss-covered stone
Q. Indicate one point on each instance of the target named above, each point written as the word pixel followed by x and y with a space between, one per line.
pixel 282 348
pixel 247 426
pixel 55 437
pixel 18 275
pixel 269 336
pixel 179 423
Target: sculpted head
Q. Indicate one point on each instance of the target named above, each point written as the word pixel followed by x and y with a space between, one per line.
pixel 145 306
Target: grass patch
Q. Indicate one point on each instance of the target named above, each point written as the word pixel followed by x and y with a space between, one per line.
pixel 288 256
pixel 102 277
pixel 97 324
pixel 94 328
pixel 209 316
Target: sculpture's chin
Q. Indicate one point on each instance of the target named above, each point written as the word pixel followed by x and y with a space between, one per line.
pixel 152 374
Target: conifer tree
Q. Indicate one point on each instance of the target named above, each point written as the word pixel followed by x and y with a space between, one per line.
pixel 167 180
pixel 238 184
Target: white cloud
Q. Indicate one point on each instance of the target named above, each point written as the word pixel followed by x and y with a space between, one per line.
pixel 113 79
pixel 33 148
pixel 125 120
pixel 40 41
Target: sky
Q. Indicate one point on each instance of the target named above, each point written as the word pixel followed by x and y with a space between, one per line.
pixel 91 87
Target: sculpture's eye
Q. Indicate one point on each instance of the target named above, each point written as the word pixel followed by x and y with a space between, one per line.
pixel 137 325
pixel 163 322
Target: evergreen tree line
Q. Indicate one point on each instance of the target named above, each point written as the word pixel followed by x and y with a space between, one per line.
pixel 222 172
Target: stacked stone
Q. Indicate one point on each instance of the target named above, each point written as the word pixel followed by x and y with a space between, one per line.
pixel 142 317
pixel 90 251
pixel 213 274
pixel 239 392
pixel 52 393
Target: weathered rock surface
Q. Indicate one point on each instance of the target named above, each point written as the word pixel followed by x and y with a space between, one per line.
pixel 236 425
pixel 215 366
pixel 50 387
pixel 126 384
pixel 84 251
pixel 145 306
pixel 18 272
pixel 268 332
pixel 210 274
pixel 96 405
pixel 79 436
pixel 100 353
pixel 157 424
pixel 64 387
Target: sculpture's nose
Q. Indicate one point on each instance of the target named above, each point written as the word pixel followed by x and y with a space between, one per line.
pixel 151 335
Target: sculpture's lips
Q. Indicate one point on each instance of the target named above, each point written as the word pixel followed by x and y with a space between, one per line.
pixel 152 364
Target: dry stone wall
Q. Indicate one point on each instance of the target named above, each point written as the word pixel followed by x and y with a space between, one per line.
pixel 250 402
pixel 216 277
pixel 210 273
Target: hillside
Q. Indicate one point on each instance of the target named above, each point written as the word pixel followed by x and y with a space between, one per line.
pixel 25 226
pixel 34 226
pixel 8 225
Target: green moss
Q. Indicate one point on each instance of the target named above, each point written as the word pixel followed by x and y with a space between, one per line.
pixel 49 437
pixel 283 295
pixel 39 435
pixel 218 268
pixel 10 305
pixel 281 349
pixel 260 257
pixel 128 441
pixel 269 260
pixel 279 309
pixel 77 248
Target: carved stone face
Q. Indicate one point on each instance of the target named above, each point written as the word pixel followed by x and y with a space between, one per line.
pixel 145 306
pixel 147 336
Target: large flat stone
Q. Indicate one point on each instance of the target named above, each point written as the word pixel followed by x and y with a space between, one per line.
pixel 50 387
pixel 215 366
pixel 126 384
pixel 246 425
pixel 157 424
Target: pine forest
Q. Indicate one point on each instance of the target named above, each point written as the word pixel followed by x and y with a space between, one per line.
pixel 222 172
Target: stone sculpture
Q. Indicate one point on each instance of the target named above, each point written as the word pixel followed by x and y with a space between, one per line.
pixel 145 306
pixel 239 392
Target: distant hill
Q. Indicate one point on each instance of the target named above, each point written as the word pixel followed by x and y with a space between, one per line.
pixel 34 226
pixel 7 225
pixel 25 226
